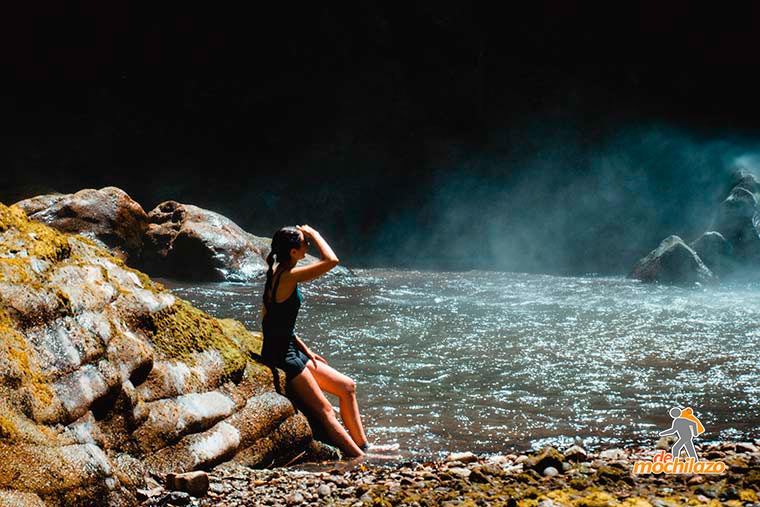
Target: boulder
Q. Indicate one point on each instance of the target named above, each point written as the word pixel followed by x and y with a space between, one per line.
pixel 738 220
pixel 715 252
pixel 742 178
pixel 190 243
pixel 673 261
pixel 186 242
pixel 107 377
pixel 107 216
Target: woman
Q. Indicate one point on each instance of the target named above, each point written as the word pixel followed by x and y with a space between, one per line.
pixel 307 373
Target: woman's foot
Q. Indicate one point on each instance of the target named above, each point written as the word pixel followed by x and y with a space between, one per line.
pixel 375 448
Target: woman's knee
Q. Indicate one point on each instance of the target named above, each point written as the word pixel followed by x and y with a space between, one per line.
pixel 349 387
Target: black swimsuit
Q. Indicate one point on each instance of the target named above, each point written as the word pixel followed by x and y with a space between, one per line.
pixel 280 347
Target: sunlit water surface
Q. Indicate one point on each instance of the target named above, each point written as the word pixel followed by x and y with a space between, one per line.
pixel 489 361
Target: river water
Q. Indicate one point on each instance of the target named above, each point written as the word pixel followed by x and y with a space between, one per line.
pixel 491 361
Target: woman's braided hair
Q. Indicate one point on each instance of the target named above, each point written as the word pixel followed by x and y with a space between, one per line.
pixel 282 241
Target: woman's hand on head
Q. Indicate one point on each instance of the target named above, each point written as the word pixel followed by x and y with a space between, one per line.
pixel 307 230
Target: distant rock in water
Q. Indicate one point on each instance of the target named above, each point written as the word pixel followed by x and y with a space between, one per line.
pixel 713 249
pixel 737 220
pixel 179 241
pixel 108 377
pixel 108 216
pixel 672 262
pixel 732 246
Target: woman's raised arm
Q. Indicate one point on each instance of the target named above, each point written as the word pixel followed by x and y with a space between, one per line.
pixel 329 259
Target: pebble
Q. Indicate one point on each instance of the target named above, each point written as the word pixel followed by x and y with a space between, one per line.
pixel 463 457
pixel 294 499
pixel 461 472
pixel 575 453
pixel 550 472
pixel 464 482
pixel 612 454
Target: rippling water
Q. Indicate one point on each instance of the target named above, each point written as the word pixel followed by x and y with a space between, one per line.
pixel 487 361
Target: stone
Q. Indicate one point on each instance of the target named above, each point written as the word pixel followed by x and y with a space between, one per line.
pixel 672 262
pixel 294 499
pixel 192 243
pixel 107 216
pixel 550 472
pixel 575 453
pixel 460 472
pixel 737 222
pixel 716 252
pixel 665 442
pixel 196 483
pixel 176 498
pixel 612 454
pixel 549 457
pixel 462 457
pixel 747 447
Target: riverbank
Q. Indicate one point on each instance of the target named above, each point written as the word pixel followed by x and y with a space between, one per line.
pixel 543 479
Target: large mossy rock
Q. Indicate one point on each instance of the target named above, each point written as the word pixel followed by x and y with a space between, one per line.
pixel 674 262
pixel 107 377
pixel 108 216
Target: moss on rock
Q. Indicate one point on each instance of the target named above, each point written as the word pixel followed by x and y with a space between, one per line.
pixel 182 329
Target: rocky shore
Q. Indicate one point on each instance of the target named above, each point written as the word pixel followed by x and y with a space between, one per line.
pixel 548 478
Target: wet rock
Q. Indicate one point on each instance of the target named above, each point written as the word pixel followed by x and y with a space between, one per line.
pixel 549 457
pixel 737 221
pixel 191 243
pixel 575 453
pixel 499 459
pixel 176 498
pixel 674 262
pixel 11 498
pixel 612 454
pixel 746 447
pixel 460 472
pixel 462 457
pixel 715 252
pixel 107 216
pixel 196 483
pixel 665 443
pixel 294 499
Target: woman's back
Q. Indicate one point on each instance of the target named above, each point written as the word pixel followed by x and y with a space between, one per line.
pixel 280 317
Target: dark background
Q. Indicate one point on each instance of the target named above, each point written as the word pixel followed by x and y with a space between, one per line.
pixel 416 134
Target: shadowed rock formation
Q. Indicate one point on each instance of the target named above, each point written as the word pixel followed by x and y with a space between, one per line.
pixel 174 240
pixel 731 246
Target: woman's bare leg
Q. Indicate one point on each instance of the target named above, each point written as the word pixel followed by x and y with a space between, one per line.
pixel 308 391
pixel 334 382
